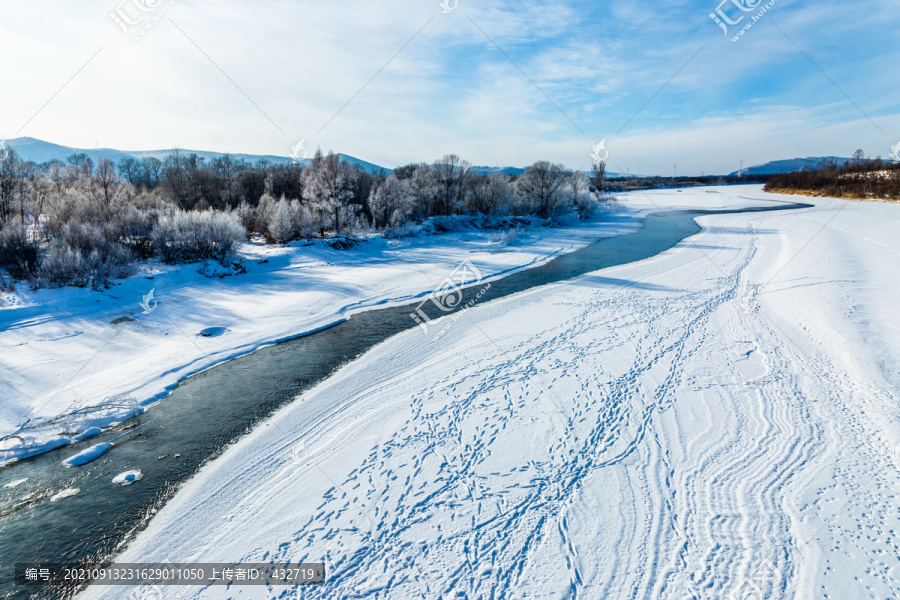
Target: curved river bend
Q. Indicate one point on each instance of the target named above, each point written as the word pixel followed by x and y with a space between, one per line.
pixel 210 410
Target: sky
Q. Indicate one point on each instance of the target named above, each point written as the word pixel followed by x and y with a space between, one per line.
pixel 496 82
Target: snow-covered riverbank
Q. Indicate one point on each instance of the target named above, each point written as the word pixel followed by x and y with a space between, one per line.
pixel 719 419
pixel 75 360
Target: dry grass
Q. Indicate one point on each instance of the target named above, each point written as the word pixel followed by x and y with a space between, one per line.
pixel 865 180
pixel 822 194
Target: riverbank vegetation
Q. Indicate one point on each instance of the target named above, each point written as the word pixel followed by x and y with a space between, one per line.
pixel 77 223
pixel 860 179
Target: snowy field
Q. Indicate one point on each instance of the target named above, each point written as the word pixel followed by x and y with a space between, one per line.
pixel 719 421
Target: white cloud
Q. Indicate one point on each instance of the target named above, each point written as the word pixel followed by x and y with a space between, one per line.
pixel 450 89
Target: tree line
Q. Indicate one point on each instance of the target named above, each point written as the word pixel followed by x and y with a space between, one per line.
pixel 858 178
pixel 74 222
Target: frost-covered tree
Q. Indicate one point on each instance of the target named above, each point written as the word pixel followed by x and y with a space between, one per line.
pixel 284 222
pixel 391 203
pixel 424 187
pixel 329 184
pixel 544 185
pixel 18 254
pixel 291 220
pixel 37 189
pixel 11 183
pixel 182 237
pixel 579 184
pixel 586 205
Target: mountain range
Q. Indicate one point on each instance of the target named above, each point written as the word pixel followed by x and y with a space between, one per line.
pixel 39 151
pixel 776 167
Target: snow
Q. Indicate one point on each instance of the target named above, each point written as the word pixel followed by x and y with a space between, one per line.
pixel 128 477
pixel 87 455
pixel 720 419
pixel 76 361
pixel 16 483
pixel 66 493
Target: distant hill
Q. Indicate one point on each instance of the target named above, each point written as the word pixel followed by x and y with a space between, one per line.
pixel 481 170
pixel 39 151
pixel 777 167
pixel 490 170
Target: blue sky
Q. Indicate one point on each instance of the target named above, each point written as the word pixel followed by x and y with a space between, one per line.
pixel 489 81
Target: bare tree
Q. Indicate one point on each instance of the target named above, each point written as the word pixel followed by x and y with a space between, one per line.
pixel 83 163
pixel 598 176
pixel 152 171
pixel 10 183
pixel 184 178
pixel 225 168
pixel 106 179
pixel 38 187
pixel 489 193
pixel 130 170
pixel 452 175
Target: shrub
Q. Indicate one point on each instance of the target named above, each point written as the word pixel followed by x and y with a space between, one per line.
pixel 82 268
pixel 18 255
pixel 586 206
pixel 250 217
pixel 152 199
pixel 82 236
pixel 183 237
pixel 490 194
pixel 85 254
pixel 507 237
pixel 133 229
pixel 290 220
